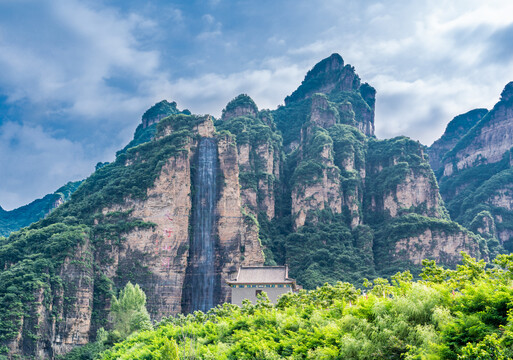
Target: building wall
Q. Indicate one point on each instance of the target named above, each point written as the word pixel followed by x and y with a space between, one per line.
pixel 239 294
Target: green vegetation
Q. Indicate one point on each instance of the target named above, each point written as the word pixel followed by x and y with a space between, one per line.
pixel 25 215
pixel 129 312
pixel 320 75
pixel 327 251
pixel 141 136
pixel 242 100
pixel 31 261
pixel 466 313
pixel 160 110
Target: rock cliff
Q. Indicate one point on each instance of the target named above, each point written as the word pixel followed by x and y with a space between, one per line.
pixel 487 141
pixel 454 131
pixel 475 170
pixel 306 184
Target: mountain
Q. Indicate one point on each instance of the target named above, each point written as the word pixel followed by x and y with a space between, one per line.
pixel 25 215
pixel 454 131
pixel 306 184
pixel 475 172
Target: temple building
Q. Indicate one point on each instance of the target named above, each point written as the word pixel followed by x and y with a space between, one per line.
pixel 252 280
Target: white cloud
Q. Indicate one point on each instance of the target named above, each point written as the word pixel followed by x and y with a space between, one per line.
pixel 26 151
pixel 100 43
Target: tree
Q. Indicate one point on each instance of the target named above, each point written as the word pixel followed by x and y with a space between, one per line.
pixel 129 312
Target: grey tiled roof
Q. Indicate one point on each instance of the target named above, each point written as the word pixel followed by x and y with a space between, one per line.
pixel 263 274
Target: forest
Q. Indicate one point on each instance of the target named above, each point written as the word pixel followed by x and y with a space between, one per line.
pixel 461 313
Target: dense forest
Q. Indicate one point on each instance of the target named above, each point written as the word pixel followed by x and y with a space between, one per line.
pixel 465 313
pixel 359 220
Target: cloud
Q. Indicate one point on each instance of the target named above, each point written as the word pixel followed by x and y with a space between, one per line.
pixel 26 153
pixel 209 93
pixel 99 45
pixel 81 73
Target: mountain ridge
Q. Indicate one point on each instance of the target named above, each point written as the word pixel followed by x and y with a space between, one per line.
pixel 307 184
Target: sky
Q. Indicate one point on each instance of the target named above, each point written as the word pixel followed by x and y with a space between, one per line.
pixel 76 76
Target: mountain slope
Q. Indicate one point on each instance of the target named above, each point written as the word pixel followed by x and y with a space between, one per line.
pixel 475 174
pixel 306 184
pixel 25 215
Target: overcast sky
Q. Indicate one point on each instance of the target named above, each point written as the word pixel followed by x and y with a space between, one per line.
pixel 76 76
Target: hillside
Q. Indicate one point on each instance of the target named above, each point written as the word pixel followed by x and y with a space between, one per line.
pixel 25 215
pixel 461 314
pixel 475 173
pixel 195 197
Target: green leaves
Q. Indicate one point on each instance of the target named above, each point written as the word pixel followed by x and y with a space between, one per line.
pixel 465 313
pixel 129 312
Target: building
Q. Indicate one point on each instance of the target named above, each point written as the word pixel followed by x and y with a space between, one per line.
pixel 252 280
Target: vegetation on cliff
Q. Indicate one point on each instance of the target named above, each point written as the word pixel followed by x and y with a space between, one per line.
pixel 32 259
pixel 466 313
pixel 483 186
pixel 25 215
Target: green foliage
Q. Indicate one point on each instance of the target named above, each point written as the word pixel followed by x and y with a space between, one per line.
pixel 327 251
pixel 25 215
pixel 129 312
pixel 468 316
pixel 289 119
pixel 161 109
pixel 141 136
pixel 30 260
pixel 242 100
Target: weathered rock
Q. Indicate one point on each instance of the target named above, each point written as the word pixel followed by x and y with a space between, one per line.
pixel 486 142
pixel 437 245
pixel 415 190
pixel 454 131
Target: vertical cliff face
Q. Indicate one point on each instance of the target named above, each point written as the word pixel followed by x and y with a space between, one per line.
pixel 475 171
pixel 238 234
pixel 316 179
pixel 193 198
pixel 258 147
pixel 401 180
pixel 486 142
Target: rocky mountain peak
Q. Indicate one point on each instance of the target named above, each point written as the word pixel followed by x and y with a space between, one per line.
pixel 331 64
pixel 327 76
pixel 507 93
pixel 159 111
pixel 241 105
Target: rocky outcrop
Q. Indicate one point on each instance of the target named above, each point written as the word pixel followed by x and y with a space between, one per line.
pixel 258 153
pixel 157 112
pixel 437 245
pixel 238 233
pixel 161 251
pixel 327 76
pixel 416 191
pixel 242 105
pixel 487 141
pixel 503 198
pixel 454 131
pixel 316 179
pixel 400 180
pixel 58 326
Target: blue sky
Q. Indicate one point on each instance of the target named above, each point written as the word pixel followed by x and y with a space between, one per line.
pixel 76 76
